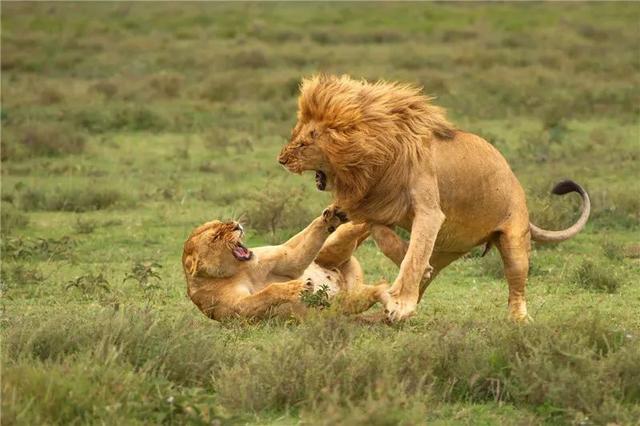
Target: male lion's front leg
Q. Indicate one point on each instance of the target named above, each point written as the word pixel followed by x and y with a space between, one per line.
pixel 405 292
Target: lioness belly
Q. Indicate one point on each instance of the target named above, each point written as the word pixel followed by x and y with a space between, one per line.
pixel 330 279
pixel 318 276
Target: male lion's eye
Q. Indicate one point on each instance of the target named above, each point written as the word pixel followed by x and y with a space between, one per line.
pixel 312 134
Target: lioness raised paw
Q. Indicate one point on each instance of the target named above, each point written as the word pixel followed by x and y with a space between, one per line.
pixel 334 217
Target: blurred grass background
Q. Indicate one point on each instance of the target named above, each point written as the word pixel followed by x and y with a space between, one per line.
pixel 125 125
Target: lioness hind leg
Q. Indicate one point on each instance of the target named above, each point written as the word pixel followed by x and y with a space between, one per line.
pixel 514 249
pixel 360 299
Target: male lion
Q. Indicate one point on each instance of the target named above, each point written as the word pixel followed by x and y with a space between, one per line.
pixel 390 157
pixel 226 279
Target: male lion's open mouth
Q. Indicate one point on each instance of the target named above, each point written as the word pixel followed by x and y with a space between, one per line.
pixel 321 180
pixel 242 253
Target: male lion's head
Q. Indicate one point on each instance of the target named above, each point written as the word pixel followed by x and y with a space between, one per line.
pixel 358 136
pixel 308 150
pixel 215 249
pixel 331 139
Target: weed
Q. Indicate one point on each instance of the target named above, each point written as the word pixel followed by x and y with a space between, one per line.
pixel 48 139
pixel 137 118
pixel 613 251
pixel 250 59
pixel 167 84
pixel 316 299
pixel 596 277
pixel 73 199
pixel 616 208
pixel 84 226
pixel 216 139
pixel 20 248
pixel 144 273
pixel 12 219
pixel 21 274
pixel 50 96
pixel 106 88
pixel 89 283
pixel 272 209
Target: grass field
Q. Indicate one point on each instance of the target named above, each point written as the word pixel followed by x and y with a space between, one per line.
pixel 126 125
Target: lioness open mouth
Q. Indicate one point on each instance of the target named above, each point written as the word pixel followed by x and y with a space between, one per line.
pixel 321 180
pixel 242 253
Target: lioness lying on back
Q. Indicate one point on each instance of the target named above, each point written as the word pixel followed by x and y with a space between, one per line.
pixel 226 279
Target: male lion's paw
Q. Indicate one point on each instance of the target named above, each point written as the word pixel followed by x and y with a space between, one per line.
pixel 398 306
pixel 333 217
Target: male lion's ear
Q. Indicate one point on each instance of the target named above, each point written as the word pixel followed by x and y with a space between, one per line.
pixel 191 265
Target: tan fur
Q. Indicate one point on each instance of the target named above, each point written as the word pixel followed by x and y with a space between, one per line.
pixel 391 158
pixel 270 283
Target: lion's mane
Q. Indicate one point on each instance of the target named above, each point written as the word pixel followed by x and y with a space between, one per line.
pixel 380 132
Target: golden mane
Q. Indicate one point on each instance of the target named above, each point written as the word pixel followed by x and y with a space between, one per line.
pixel 378 131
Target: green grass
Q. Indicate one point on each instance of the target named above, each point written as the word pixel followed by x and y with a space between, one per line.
pixel 126 125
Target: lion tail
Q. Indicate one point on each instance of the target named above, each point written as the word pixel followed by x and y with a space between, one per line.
pixel 564 187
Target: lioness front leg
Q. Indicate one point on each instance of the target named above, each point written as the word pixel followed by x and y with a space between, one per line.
pixel 405 292
pixel 294 256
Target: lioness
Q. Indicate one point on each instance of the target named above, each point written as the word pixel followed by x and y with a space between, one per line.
pixel 226 279
pixel 390 157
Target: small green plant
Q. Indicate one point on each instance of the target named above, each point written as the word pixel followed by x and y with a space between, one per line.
pixel 253 59
pixel 596 277
pixel 50 96
pixel 613 251
pixel 22 274
pixel 276 208
pixel 144 273
pixel 72 199
pixel 106 88
pixel 38 248
pixel 50 139
pixel 167 84
pixel 317 299
pixel 12 219
pixel 84 226
pixel 89 283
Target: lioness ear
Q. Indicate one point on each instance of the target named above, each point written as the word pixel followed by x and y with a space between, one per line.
pixel 191 265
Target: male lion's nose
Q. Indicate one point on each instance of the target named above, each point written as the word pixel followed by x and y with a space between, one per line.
pixel 282 160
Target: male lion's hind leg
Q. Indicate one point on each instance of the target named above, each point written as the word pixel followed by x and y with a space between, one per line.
pixel 514 249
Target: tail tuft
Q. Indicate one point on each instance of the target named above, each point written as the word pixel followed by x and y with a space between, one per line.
pixel 567 186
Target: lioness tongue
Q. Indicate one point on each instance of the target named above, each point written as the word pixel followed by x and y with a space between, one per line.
pixel 241 252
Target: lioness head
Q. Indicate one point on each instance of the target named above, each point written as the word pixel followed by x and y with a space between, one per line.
pixel 215 249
